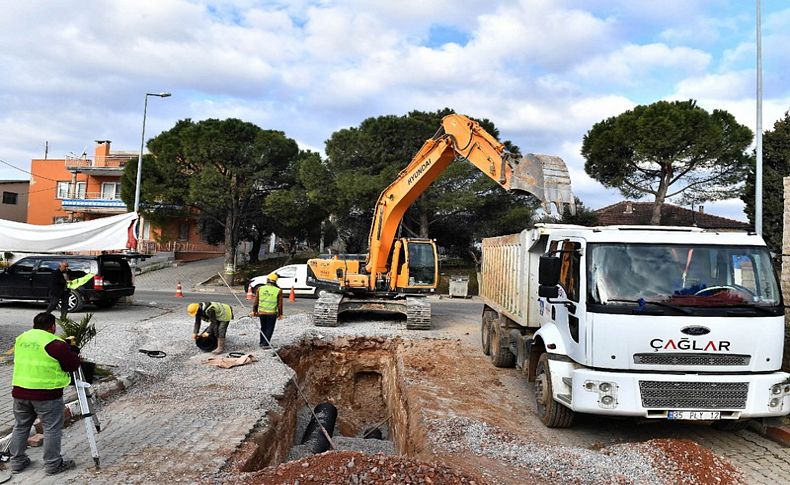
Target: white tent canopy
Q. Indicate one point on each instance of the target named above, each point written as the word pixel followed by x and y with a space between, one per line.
pixel 106 233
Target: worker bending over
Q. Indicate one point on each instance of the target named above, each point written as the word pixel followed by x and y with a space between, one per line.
pixel 219 314
pixel 268 306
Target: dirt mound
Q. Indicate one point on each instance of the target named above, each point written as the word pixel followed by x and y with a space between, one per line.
pixel 335 467
pixel 684 461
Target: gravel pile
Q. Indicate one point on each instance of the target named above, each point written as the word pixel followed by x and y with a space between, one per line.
pixel 554 463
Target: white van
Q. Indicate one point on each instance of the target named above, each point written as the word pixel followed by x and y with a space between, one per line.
pixel 291 276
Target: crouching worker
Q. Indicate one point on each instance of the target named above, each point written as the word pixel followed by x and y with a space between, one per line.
pixel 42 363
pixel 219 314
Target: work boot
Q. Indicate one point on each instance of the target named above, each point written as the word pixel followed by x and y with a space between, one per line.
pixel 220 346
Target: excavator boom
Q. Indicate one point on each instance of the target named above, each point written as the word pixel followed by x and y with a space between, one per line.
pixel 397 270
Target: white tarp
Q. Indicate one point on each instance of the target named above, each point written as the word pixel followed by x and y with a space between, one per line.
pixel 106 233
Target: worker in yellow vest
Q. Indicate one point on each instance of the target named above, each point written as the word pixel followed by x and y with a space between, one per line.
pixel 42 363
pixel 219 314
pixel 268 306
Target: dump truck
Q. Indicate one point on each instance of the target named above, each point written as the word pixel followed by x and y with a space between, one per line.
pixel 674 323
pixel 397 272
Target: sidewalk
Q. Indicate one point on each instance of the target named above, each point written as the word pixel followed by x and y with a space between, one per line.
pixel 189 274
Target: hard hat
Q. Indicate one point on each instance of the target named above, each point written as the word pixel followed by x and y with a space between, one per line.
pixel 192 308
pixel 272 277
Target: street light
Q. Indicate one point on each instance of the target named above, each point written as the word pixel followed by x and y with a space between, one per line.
pixel 142 146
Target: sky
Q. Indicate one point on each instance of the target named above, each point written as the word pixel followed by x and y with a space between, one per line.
pixel 544 71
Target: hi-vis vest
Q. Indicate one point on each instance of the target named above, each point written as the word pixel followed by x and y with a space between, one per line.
pixel 267 299
pixel 223 311
pixel 34 368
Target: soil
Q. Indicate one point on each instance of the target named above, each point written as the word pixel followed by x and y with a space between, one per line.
pixel 346 467
pixel 440 396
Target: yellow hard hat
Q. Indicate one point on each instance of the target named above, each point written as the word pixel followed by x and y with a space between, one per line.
pixel 192 308
pixel 272 277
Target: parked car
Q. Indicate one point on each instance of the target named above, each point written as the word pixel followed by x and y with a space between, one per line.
pixel 30 278
pixel 291 276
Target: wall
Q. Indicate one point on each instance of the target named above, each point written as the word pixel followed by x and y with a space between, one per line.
pixel 786 269
pixel 15 212
pixel 43 205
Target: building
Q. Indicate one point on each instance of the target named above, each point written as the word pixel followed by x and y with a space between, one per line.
pixel 75 189
pixel 13 205
pixel 629 213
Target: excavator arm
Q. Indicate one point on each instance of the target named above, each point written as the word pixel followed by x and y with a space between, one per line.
pixel 545 177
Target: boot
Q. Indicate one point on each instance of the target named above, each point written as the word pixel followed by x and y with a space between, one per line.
pixel 220 346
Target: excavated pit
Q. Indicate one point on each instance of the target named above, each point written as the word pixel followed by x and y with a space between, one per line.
pixel 362 377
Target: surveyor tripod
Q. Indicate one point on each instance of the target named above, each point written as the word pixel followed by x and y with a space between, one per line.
pixel 89 417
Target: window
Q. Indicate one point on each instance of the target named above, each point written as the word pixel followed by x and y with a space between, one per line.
pixel 24 266
pixel 10 197
pixel 60 220
pixel 183 231
pixel 47 266
pixel 287 272
pixel 570 262
pixel 62 190
pixel 111 190
pixel 80 192
pixel 146 230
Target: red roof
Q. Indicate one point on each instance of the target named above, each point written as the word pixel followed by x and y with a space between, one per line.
pixel 628 213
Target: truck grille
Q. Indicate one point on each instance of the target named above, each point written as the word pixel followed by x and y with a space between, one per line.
pixel 678 358
pixel 693 395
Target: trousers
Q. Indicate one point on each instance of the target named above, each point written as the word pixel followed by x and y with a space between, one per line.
pixel 51 415
pixel 268 322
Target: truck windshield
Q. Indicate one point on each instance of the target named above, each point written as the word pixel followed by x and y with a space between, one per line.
pixel 682 275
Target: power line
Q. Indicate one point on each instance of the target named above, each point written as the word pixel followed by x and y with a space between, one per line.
pixel 27 172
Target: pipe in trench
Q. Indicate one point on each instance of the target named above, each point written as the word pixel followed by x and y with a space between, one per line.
pixel 316 440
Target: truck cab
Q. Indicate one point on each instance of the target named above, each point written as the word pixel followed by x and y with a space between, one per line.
pixel 651 322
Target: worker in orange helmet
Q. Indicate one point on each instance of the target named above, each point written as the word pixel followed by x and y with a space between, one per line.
pixel 268 306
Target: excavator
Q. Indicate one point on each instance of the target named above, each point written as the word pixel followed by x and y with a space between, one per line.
pixel 397 272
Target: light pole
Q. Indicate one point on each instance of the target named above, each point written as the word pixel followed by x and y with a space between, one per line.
pixel 142 147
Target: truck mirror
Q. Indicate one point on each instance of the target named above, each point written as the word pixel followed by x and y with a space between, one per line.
pixel 549 271
pixel 547 291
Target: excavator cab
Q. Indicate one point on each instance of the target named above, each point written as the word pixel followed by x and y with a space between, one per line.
pixel 416 265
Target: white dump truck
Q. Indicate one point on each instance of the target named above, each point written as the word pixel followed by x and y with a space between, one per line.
pixel 642 321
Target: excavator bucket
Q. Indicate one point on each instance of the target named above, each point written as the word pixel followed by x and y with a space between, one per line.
pixel 546 177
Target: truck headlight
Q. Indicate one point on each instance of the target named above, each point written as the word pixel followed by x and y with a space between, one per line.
pixel 777 389
pixel 774 402
pixel 605 387
pixel 607 400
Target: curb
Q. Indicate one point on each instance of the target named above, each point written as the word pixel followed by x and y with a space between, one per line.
pixel 779 434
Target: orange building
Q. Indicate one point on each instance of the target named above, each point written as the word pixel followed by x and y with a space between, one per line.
pixel 80 189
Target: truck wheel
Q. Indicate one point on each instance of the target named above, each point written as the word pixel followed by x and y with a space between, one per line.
pixel 552 413
pixel 485 336
pixel 501 356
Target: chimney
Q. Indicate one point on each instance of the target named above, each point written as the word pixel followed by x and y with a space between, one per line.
pixel 702 209
pixel 629 207
pixel 102 153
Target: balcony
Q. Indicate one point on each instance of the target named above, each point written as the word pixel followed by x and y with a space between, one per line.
pixel 107 166
pixel 94 203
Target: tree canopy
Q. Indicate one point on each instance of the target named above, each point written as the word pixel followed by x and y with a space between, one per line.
pixel 217 169
pixel 669 149
pixel 364 160
pixel 776 166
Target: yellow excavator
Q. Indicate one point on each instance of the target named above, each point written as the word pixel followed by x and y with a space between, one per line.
pixel 397 272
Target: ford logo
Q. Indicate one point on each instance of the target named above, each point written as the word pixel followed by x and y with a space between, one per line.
pixel 695 330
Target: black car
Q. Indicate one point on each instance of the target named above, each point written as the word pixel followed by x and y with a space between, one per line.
pixel 30 279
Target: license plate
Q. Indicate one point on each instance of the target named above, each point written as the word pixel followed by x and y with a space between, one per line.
pixel 694 415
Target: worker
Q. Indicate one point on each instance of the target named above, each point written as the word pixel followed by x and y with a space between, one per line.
pixel 268 306
pixel 58 289
pixel 219 314
pixel 42 363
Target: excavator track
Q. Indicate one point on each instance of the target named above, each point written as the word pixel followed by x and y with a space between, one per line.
pixel 418 314
pixel 326 309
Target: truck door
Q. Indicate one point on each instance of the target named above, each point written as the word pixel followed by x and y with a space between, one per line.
pixel 570 317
